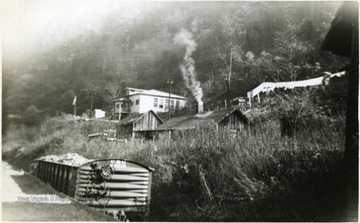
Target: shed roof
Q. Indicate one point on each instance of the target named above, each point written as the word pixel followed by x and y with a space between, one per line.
pixel 191 121
pixel 130 119
pixel 135 117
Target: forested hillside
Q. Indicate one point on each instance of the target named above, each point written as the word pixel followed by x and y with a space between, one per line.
pixel 237 46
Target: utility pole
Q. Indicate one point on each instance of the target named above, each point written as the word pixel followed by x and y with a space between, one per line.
pixel 170 83
pixel 91 100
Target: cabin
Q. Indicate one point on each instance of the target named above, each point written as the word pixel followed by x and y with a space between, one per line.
pixel 140 101
pixel 138 125
pixel 232 119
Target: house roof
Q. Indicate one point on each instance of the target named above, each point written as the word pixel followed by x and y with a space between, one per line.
pixel 135 117
pixel 153 92
pixel 191 121
pixel 339 38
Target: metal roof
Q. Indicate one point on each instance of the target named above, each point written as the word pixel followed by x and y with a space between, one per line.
pixel 191 121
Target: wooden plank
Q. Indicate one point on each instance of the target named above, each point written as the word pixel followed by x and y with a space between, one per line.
pixel 116 186
pixel 118 203
pixel 82 181
pixel 119 194
pixel 140 191
pixel 125 169
pixel 116 209
pixel 85 173
pixel 127 177
pixel 119 177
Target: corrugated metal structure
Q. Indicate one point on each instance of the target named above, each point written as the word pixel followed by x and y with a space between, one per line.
pixel 112 186
pixel 231 118
pixel 136 125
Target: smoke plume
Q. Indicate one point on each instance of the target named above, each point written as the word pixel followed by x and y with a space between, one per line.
pixel 187 67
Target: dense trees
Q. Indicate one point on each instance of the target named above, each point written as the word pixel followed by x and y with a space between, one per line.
pixel 239 44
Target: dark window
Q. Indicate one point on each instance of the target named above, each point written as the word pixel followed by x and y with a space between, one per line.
pixel 137 102
pixel 117 105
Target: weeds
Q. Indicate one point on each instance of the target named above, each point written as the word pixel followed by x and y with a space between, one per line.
pixel 208 175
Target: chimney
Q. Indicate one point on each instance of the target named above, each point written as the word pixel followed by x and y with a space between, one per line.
pixel 200 107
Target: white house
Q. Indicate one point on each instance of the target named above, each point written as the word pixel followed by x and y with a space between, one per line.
pixel 141 101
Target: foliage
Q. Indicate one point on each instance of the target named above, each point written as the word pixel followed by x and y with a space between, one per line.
pixel 204 175
pixel 263 41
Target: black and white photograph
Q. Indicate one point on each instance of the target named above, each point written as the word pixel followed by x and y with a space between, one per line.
pixel 179 111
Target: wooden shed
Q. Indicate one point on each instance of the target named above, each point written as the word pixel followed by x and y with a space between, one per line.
pixel 232 119
pixel 136 125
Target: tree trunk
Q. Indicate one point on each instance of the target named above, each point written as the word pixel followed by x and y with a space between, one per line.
pixel 229 80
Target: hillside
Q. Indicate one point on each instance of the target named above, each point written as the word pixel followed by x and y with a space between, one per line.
pixel 234 47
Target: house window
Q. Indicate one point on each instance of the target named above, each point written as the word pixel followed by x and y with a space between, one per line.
pixel 161 104
pixel 137 102
pixel 177 105
pixel 155 102
pixel 172 104
pixel 166 104
pixel 117 105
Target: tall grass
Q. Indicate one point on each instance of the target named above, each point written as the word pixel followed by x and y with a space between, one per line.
pixel 209 175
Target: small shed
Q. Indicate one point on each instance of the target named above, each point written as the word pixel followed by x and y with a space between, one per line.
pixel 136 125
pixel 232 119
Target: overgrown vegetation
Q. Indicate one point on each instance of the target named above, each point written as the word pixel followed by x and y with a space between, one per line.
pixel 205 175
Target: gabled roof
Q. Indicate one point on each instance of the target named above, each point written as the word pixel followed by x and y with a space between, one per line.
pixel 135 117
pixel 191 121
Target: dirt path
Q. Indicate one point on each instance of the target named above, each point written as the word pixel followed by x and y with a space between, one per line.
pixel 26 198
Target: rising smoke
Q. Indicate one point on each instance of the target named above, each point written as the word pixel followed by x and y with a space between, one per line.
pixel 187 67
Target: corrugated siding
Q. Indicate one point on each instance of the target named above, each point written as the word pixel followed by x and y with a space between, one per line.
pixel 113 185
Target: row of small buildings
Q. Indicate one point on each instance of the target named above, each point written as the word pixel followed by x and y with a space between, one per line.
pixel 149 124
pixel 138 111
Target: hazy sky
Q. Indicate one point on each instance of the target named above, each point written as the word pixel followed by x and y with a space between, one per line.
pixel 28 25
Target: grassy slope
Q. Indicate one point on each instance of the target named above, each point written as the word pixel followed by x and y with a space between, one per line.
pixel 252 177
